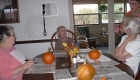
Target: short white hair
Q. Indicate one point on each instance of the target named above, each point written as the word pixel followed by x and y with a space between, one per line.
pixel 131 22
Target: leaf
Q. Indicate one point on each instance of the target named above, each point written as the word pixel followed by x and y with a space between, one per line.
pixel 64 44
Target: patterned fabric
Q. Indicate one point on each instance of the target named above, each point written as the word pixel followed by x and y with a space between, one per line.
pixel 58 43
pixel 7 63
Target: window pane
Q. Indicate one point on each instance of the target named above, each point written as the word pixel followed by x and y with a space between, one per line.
pixel 107 8
pixel 104 18
pixel 118 7
pixel 85 9
pixel 117 18
pixel 88 19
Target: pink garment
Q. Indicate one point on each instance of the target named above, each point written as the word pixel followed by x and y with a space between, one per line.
pixel 7 63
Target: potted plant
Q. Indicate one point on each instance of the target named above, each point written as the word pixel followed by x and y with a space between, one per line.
pixel 102 8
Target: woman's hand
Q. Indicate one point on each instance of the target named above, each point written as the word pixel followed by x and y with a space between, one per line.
pixel 122 58
pixel 28 64
pixel 119 31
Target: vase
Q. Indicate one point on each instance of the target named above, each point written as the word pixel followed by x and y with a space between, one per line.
pixel 70 59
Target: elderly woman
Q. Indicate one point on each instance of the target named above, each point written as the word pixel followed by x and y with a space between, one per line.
pixel 135 11
pixel 62 34
pixel 12 61
pixel 128 50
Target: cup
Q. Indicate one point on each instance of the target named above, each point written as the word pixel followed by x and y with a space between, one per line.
pixel 74 60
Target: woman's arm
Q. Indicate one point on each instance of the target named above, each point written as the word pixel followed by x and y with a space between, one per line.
pixel 120 52
pixel 19 69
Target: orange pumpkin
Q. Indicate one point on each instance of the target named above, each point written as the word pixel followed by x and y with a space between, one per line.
pixel 103 78
pixel 85 71
pixel 94 54
pixel 48 57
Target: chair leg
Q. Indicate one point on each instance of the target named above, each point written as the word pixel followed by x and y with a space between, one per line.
pixel 92 43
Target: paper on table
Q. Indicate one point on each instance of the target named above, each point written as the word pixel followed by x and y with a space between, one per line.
pixel 85 50
pixel 38 61
pixel 103 70
pixel 62 74
pixel 115 76
pixel 104 61
pixel 102 58
pixel 41 68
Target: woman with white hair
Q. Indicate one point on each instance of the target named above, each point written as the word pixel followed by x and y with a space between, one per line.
pixel 128 50
pixel 62 34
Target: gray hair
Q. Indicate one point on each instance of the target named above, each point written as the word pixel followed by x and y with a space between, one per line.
pixel 131 22
pixel 5 31
pixel 59 29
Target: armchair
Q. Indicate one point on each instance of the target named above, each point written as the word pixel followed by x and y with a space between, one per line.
pixel 84 30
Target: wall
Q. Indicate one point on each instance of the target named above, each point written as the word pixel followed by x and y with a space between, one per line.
pixel 31 25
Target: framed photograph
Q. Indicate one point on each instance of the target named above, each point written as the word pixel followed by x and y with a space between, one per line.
pixel 9 11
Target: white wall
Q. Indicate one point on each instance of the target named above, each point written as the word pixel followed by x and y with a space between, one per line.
pixel 31 24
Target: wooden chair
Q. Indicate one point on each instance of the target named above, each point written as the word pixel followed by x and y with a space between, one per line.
pixel 138 74
pixel 55 37
pixel 82 40
pixel 84 30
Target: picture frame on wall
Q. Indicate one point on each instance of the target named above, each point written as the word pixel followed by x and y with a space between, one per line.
pixel 9 11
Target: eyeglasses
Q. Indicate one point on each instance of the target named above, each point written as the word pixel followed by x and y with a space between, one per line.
pixel 13 35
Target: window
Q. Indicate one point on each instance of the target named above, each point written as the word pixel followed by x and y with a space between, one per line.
pixel 89 14
pixel 118 13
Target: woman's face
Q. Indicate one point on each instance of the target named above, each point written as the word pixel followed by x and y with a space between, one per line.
pixel 134 5
pixel 62 32
pixel 127 30
pixel 11 40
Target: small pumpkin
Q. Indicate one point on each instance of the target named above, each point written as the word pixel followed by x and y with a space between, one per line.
pixel 85 71
pixel 48 57
pixel 103 78
pixel 94 54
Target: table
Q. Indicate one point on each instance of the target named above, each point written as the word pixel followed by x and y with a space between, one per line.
pixel 63 60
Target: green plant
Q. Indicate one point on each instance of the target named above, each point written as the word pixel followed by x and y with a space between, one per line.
pixel 102 8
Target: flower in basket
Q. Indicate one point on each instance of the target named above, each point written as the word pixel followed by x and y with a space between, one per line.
pixel 71 49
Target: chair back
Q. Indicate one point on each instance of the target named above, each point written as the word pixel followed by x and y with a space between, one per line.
pixel 83 30
pixel 138 73
pixel 55 37
pixel 83 42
